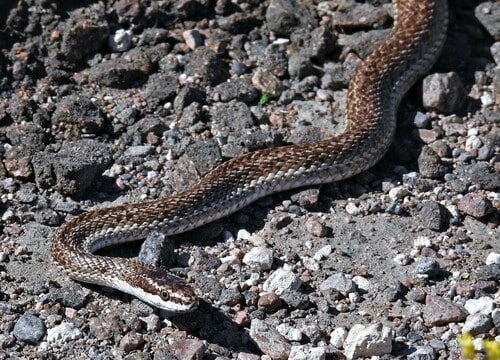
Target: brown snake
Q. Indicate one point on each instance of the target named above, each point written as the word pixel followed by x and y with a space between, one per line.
pixel 374 94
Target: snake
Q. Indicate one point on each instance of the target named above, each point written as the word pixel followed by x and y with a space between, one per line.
pixel 373 97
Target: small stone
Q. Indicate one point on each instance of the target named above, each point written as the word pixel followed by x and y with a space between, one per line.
pixel 289 332
pixel 483 305
pixel 269 302
pixel 421 120
pixel 337 337
pixel 352 209
pixel 121 41
pixel 29 329
pixel 402 259
pixel 269 340
pixel 315 227
pixel 192 38
pixel 431 165
pixel 281 280
pixel 477 324
pixel 338 282
pixel 443 92
pixel 306 352
pixel 368 340
pixel 63 333
pixel 493 258
pixel 439 311
pixel 189 349
pixel 434 216
pixel 323 253
pixel 362 283
pixel 259 257
pixel 475 205
pixel 242 318
pixel 398 193
pixel 427 266
pixel 266 82
pixel 131 341
pixel 138 150
pixel 423 353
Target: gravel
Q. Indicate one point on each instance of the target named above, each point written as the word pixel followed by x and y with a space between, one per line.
pixel 115 102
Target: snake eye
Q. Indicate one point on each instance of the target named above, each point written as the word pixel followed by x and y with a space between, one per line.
pixel 165 295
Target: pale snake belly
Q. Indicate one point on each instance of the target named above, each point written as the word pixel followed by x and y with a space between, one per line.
pixel 374 94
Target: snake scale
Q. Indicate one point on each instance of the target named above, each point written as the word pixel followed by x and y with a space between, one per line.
pixel 374 94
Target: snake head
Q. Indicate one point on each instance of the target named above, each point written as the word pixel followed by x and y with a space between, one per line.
pixel 159 288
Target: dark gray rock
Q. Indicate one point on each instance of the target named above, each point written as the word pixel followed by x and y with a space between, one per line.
pixel 488 14
pixel 205 64
pixel 71 295
pixel 431 165
pixel 73 169
pixel 423 353
pixel 283 16
pixel 77 115
pixel 240 89
pixel 29 329
pixel 205 155
pixel 187 96
pixel 434 216
pixel 427 266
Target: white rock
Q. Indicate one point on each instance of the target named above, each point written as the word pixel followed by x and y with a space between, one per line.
pixel 366 341
pixel 305 352
pixel 120 41
pixel 352 209
pixel 338 336
pixel 289 332
pixel 63 332
pixel 323 253
pixel 493 258
pixel 362 283
pixel 421 241
pixel 260 257
pixel 281 280
pixel 310 263
pixel 473 143
pixel 398 192
pixel 402 259
pixel 483 305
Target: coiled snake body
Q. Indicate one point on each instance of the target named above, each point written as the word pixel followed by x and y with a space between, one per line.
pixel 373 98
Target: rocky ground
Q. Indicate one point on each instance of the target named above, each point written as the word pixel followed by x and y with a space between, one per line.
pixel 117 101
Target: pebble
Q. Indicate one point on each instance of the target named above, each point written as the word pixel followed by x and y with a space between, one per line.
pixel 138 150
pixel 306 352
pixel 189 349
pixel 352 209
pixel 421 120
pixel 315 227
pixel 427 266
pixel 493 258
pixel 398 193
pixel 434 216
pixel 131 341
pixel 192 38
pixel 63 333
pixel 337 337
pixel 443 92
pixel 483 305
pixel 338 282
pixel 439 311
pixel 269 302
pixel 269 340
pixel 289 332
pixel 281 280
pixel 477 324
pixel 121 41
pixel 402 259
pixel 368 340
pixel 475 205
pixel 29 329
pixel 259 257
pixel 362 283
pixel 266 82
pixel 423 353
pixel 323 253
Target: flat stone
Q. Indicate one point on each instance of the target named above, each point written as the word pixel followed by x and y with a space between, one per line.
pixel 281 280
pixel 63 333
pixel 29 329
pixel 477 324
pixel 368 340
pixel 338 282
pixel 439 311
pixel 483 305
pixel 269 340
